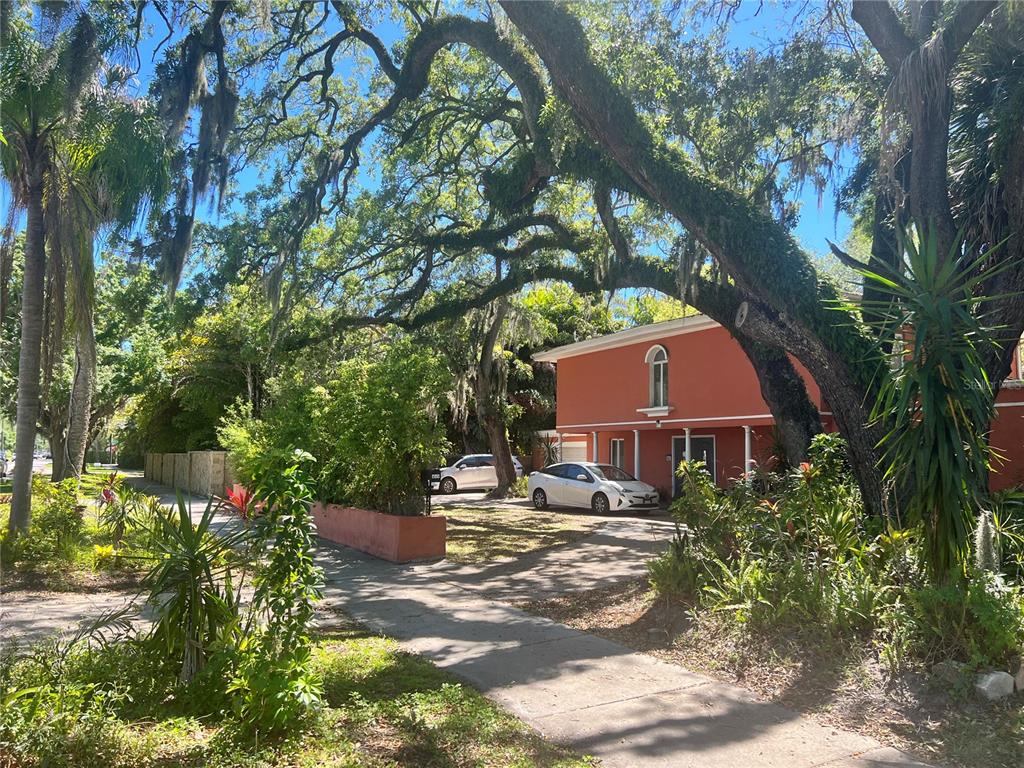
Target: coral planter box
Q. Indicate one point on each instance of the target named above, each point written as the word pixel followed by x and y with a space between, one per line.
pixel 390 537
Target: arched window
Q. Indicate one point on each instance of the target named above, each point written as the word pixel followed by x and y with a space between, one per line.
pixel 657 361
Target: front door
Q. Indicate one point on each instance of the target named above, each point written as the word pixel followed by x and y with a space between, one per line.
pixel 702 448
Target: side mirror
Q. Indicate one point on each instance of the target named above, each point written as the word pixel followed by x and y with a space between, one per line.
pixel 461 467
pixel 582 477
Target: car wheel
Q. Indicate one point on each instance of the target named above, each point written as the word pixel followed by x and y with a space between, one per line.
pixel 448 486
pixel 600 504
pixel 540 499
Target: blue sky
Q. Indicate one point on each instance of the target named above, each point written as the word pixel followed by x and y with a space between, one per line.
pixel 762 25
pixel 754 24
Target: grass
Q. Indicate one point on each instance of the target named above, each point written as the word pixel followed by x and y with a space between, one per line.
pixel 835 680
pixel 384 707
pixel 478 535
pixel 76 570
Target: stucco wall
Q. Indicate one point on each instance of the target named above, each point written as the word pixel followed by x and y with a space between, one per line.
pixel 203 473
pixel 709 377
pixel 181 471
pixel 1007 437
pixel 167 469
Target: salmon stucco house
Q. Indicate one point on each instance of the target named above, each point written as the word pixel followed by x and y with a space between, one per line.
pixel 645 398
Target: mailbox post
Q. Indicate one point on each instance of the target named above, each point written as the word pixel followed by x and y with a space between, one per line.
pixel 430 479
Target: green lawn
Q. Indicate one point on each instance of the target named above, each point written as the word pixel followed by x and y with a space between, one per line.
pixel 383 708
pixel 74 567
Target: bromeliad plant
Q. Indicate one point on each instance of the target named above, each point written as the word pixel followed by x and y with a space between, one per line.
pixel 121 507
pixel 938 402
pixel 241 502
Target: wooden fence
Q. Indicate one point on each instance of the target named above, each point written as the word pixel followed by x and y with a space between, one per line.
pixel 204 473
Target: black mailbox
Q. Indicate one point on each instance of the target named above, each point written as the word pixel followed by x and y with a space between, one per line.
pixel 430 478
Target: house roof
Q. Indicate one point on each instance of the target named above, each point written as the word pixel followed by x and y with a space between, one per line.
pixel 637 335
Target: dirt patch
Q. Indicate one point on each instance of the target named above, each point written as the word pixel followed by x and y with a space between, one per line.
pixel 841 683
pixel 74 580
pixel 483 534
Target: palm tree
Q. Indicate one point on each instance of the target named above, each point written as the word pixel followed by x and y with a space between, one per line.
pixel 109 167
pixel 41 86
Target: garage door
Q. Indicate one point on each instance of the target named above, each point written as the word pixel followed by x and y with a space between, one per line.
pixel 574 451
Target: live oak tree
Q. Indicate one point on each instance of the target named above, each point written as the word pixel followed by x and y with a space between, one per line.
pixel 564 120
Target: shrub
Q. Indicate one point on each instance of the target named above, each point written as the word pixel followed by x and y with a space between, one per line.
pixel 372 428
pixel 274 686
pixel 675 573
pixel 978 621
pixel 104 556
pixel 55 531
pixel 519 488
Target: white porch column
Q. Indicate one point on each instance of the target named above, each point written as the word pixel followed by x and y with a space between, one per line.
pixel 560 446
pixel 748 462
pixel 636 453
pixel 686 451
pixel 595 446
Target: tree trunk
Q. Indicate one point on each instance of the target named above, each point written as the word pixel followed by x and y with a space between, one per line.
pixel 29 357
pixel 58 449
pixel 796 418
pixel 80 404
pixel 490 387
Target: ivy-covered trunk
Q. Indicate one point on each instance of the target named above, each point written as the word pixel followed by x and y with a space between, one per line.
pixel 490 388
pixel 796 418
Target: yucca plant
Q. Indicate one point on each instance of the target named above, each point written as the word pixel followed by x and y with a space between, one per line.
pixel 191 586
pixel 938 402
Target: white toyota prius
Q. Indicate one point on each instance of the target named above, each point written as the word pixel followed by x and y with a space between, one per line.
pixel 473 472
pixel 602 487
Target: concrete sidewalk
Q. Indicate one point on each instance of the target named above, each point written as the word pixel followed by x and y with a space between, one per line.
pixel 626 708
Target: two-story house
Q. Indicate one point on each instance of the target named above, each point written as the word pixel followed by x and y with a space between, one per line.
pixel 648 397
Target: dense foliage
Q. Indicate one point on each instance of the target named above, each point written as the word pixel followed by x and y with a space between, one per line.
pixel 371 424
pixel 796 553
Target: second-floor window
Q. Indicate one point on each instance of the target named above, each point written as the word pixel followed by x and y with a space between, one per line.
pixel 657 360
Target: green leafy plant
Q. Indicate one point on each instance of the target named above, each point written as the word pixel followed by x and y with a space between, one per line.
pixel 937 404
pixel 275 685
pixel 372 427
pixel 57 525
pixel 191 586
pixel 519 488
pixel 121 507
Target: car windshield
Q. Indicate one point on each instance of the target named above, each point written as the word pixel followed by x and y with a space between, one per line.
pixel 608 472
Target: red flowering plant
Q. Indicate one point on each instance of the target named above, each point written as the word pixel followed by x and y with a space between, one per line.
pixel 808 471
pixel 116 504
pixel 108 494
pixel 240 502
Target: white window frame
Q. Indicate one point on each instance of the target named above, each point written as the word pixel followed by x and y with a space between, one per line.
pixel 618 445
pixel 657 363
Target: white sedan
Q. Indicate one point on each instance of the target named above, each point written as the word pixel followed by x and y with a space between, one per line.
pixel 602 487
pixel 475 471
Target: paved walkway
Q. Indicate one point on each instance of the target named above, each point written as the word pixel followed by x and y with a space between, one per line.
pixel 626 708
